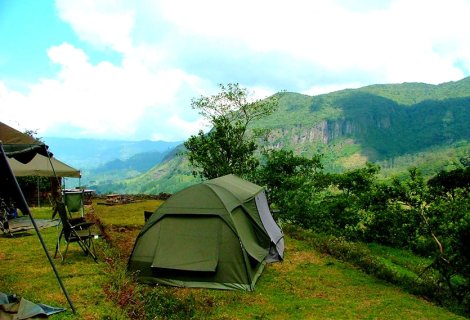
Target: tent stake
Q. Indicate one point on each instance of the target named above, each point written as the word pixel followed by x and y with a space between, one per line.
pixel 25 208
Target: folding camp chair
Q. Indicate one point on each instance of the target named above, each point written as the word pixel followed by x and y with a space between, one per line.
pixel 74 202
pixel 75 230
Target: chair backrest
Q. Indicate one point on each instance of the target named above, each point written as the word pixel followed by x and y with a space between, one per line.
pixel 74 202
pixel 64 219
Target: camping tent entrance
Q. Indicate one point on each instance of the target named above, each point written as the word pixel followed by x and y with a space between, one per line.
pixel 202 251
pixel 224 213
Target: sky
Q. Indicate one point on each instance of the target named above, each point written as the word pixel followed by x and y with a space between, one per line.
pixel 128 69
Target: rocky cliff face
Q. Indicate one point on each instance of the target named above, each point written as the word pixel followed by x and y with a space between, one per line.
pixel 326 131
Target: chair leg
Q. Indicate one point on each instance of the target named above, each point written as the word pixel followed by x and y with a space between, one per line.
pixel 84 247
pixel 90 248
pixel 56 249
pixel 93 254
pixel 5 227
pixel 87 244
pixel 57 246
pixel 65 252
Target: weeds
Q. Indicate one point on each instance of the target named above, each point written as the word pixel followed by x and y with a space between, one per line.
pixel 160 303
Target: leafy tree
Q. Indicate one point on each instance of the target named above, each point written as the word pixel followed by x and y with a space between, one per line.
pixel 230 146
pixel 383 216
pixel 282 171
pixel 355 195
pixel 447 183
pixel 358 181
pixel 449 215
pixel 292 184
pixel 442 228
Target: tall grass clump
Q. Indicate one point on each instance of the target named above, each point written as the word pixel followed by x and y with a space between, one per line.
pixel 139 301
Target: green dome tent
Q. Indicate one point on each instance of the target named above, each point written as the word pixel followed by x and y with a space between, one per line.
pixel 217 234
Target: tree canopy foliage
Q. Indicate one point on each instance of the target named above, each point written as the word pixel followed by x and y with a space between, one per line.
pixel 229 147
pixel 431 218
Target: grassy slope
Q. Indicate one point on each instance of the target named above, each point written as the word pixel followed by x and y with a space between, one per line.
pixel 310 286
pixel 307 285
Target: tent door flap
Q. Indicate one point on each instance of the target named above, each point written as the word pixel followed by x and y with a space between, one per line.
pixel 188 243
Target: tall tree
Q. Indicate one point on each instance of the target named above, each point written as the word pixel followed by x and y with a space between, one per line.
pixel 230 145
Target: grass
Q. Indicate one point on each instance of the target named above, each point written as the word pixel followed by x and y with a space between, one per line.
pixel 310 286
pixel 307 285
pixel 399 259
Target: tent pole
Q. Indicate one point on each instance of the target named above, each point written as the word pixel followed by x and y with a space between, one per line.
pixel 25 209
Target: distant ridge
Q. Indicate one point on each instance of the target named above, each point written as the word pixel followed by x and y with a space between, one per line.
pixel 92 153
pixel 394 125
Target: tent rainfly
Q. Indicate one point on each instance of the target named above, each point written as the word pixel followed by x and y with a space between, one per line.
pixel 217 234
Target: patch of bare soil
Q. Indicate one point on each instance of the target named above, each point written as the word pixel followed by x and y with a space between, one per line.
pixel 123 237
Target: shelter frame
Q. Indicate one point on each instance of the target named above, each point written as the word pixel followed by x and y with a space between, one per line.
pixel 23 206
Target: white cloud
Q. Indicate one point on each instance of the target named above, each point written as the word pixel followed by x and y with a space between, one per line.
pixel 151 87
pixel 258 92
pixel 98 99
pixel 401 42
pixel 102 23
pixel 180 128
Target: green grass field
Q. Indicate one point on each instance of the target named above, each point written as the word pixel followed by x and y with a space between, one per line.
pixel 307 285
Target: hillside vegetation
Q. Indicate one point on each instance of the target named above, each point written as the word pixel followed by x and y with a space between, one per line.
pixel 394 125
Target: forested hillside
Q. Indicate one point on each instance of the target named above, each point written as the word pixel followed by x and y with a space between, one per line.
pixel 394 125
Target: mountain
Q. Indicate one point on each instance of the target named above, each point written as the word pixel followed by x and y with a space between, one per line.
pixel 117 169
pixel 394 125
pixel 92 153
pixel 106 162
pixel 377 122
pixel 173 171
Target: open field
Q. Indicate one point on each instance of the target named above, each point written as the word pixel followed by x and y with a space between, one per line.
pixel 307 285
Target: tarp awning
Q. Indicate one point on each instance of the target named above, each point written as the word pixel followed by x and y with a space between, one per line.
pixel 40 166
pixel 19 145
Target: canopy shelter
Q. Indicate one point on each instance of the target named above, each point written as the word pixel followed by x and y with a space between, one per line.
pixel 23 148
pixel 19 145
pixel 41 166
pixel 217 234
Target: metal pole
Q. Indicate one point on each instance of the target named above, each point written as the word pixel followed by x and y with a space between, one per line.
pixel 37 180
pixel 25 209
